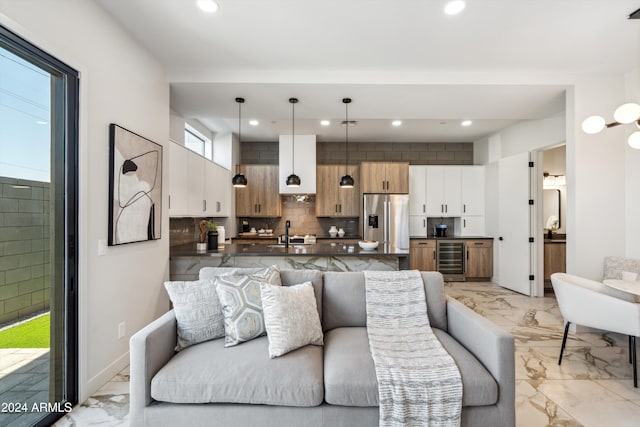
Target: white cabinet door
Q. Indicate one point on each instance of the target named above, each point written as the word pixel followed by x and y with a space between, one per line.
pixel 473 190
pixel 417 226
pixel 178 165
pixel 195 185
pixel 472 226
pixel 435 191
pixel 452 192
pixel 417 190
pixel 222 184
pixel 210 188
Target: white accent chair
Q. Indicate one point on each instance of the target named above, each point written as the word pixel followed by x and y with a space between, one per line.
pixel 593 304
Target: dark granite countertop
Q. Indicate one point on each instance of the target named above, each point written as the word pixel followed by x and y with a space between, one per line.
pixel 259 249
pixel 454 238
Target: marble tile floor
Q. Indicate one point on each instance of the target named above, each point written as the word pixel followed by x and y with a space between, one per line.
pixel 592 388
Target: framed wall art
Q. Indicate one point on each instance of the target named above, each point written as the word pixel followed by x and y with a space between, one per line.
pixel 135 187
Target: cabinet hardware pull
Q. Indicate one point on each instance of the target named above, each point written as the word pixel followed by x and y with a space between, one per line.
pixel 446 208
pixel 204 206
pixel 424 224
pixel 169 201
pixel 442 208
pixel 259 208
pixel 464 223
pixel 217 206
pixel 340 207
pixel 477 243
pixel 464 208
pixel 467 254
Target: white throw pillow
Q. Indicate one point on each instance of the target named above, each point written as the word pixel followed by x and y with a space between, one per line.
pixel 242 304
pixel 629 276
pixel 198 311
pixel 291 317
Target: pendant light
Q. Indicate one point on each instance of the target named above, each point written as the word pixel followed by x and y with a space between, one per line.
pixel 239 180
pixel 347 180
pixel 293 180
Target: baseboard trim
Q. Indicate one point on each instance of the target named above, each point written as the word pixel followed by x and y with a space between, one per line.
pixel 103 377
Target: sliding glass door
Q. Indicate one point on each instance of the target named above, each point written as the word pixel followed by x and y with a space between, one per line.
pixel 38 234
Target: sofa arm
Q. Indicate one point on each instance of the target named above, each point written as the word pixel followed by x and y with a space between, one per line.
pixel 150 349
pixel 492 346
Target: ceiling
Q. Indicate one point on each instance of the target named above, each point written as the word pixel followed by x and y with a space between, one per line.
pixel 383 55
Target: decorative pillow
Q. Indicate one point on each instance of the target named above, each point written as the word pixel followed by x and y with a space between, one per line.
pixel 198 311
pixel 242 304
pixel 291 317
pixel 629 276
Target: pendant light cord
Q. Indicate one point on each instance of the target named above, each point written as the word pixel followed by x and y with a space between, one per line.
pixel 346 160
pixel 239 130
pixel 293 137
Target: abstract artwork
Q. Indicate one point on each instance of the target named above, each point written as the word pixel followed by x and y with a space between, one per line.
pixel 135 187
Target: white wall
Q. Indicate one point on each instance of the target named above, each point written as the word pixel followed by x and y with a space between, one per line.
pixel 120 83
pixel 632 249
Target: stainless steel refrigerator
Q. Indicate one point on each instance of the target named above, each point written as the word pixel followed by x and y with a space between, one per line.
pixel 386 219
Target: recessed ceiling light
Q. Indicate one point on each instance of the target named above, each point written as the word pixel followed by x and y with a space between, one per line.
pixel 254 122
pixel 325 122
pixel 396 123
pixel 466 123
pixel 208 6
pixel 454 7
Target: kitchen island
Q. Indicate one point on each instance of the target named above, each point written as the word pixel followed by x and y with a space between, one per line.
pixel 186 261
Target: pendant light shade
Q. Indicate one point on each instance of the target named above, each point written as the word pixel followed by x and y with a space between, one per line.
pixel 293 180
pixel 239 180
pixel 347 180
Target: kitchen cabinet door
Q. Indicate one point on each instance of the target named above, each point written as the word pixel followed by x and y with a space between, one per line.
pixel 397 177
pixel 195 184
pixel 349 200
pixel 417 226
pixel 473 190
pixel 178 166
pixel 217 189
pixel 417 190
pixel 472 226
pixel 422 255
pixel 327 193
pixel 479 260
pixel 381 177
pixel 373 177
pixel 444 191
pixel 260 198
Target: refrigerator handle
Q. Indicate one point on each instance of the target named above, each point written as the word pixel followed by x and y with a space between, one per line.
pixel 387 224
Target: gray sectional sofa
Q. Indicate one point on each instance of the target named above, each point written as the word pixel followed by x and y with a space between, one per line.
pixel 334 385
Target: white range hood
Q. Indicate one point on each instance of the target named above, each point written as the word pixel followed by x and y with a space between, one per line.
pixel 304 164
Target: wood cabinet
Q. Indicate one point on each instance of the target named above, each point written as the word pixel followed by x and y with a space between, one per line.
pixel 479 259
pixel 422 255
pixel 555 259
pixel 385 177
pixel 333 201
pixel 260 198
pixel 197 186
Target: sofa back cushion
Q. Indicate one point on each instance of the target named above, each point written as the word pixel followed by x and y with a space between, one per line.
pixel 288 278
pixel 344 302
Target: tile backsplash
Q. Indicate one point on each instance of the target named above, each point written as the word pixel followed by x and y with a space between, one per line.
pixel 186 230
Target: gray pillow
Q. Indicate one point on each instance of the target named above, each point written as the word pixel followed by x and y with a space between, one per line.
pixel 198 311
pixel 291 317
pixel 242 304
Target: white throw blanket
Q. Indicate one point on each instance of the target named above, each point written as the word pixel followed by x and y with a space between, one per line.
pixel 419 383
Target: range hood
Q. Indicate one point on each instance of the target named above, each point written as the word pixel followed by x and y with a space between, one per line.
pixel 304 163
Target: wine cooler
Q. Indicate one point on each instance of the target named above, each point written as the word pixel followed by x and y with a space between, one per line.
pixel 451 257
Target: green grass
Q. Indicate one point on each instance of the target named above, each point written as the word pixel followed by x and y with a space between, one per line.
pixel 31 334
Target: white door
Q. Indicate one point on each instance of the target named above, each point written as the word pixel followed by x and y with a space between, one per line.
pixel 417 190
pixel 514 247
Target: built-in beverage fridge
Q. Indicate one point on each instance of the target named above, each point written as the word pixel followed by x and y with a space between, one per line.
pixel 451 258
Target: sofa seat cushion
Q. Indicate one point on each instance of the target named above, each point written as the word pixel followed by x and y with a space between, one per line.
pixel 350 375
pixel 209 372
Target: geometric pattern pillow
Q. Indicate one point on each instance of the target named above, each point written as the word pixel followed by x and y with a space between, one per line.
pixel 291 317
pixel 242 304
pixel 198 311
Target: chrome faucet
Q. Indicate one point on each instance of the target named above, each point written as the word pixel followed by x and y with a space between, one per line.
pixel 287 224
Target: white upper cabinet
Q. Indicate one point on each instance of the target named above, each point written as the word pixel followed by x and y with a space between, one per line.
pixel 178 166
pixel 417 190
pixel 197 186
pixel 304 163
pixel 444 187
pixel 473 190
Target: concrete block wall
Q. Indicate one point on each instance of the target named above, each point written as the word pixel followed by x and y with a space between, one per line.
pixel 327 153
pixel 24 248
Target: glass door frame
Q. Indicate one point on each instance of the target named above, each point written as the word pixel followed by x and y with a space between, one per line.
pixel 64 173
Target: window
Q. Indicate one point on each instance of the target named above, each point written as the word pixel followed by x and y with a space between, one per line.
pixel 197 142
